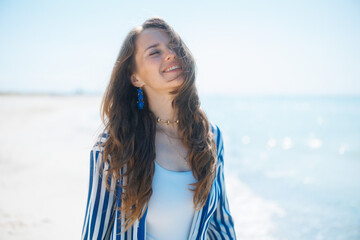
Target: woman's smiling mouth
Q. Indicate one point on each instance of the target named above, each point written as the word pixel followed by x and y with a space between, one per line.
pixel 173 68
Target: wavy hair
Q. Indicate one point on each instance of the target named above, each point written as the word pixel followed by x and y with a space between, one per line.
pixel 131 132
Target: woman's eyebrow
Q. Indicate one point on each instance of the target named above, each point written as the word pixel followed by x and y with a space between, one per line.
pixel 155 45
pixel 152 46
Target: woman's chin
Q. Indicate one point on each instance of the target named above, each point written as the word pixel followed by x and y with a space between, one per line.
pixel 180 79
pixel 178 82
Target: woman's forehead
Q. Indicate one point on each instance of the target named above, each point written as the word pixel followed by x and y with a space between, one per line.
pixel 151 36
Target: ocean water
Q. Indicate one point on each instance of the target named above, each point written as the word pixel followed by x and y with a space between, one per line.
pixel 301 153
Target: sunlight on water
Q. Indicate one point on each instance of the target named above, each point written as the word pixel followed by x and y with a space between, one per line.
pixel 271 143
pixel 342 149
pixel 314 143
pixel 287 143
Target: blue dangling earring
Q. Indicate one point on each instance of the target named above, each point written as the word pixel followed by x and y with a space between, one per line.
pixel 140 102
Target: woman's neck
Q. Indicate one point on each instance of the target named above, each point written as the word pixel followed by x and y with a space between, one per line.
pixel 161 106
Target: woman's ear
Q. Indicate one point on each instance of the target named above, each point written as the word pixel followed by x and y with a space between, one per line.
pixel 135 81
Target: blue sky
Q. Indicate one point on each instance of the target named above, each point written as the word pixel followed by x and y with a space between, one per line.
pixel 240 47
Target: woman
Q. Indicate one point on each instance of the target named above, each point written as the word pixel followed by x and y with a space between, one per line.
pixel 157 170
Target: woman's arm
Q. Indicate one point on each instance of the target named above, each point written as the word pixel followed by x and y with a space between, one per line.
pixel 100 203
pixel 221 225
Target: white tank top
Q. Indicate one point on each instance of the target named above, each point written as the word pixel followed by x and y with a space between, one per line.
pixel 171 208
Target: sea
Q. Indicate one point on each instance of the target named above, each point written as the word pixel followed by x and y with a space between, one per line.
pixel 300 153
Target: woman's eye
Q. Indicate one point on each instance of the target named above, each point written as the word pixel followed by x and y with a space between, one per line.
pixel 153 53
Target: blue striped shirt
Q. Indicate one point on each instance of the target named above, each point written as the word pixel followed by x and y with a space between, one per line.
pixel 102 218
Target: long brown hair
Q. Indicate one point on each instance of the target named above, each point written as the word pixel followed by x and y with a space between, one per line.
pixel 131 132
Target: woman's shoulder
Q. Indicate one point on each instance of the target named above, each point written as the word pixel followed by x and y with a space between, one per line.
pixel 216 132
pixel 101 140
pixel 217 136
pixel 97 151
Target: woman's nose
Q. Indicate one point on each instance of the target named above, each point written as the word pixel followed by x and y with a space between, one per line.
pixel 170 54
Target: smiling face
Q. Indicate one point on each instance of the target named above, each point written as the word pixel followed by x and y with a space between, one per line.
pixel 157 67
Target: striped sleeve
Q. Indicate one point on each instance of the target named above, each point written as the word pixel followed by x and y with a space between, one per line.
pixel 221 224
pixel 100 201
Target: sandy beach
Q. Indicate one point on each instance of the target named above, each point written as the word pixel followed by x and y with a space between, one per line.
pixel 44 163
